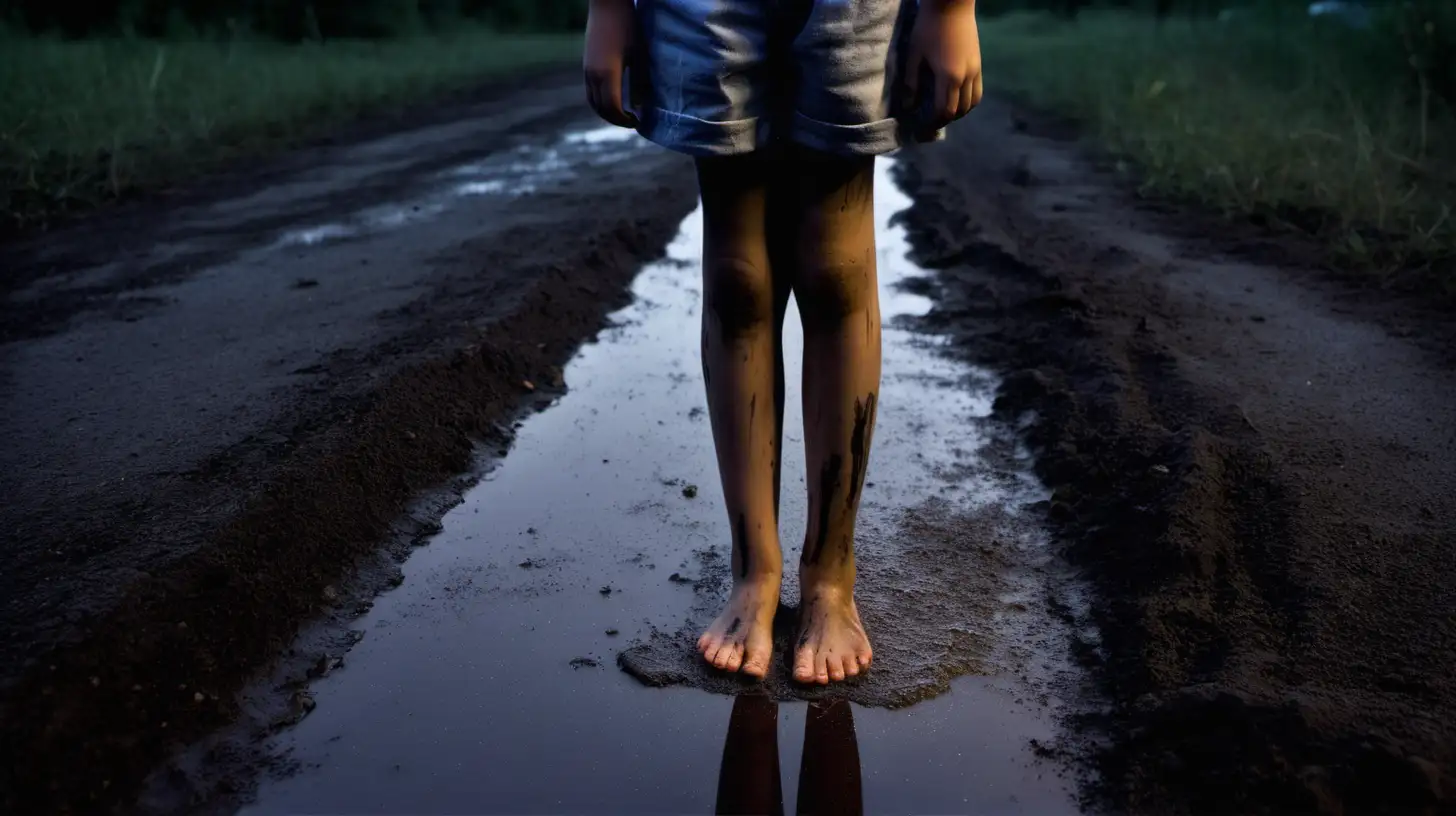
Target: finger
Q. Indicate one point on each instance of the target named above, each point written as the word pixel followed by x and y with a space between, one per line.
pixel 947 99
pixel 968 98
pixel 609 95
pixel 978 91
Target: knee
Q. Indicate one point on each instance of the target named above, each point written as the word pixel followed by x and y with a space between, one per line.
pixel 738 295
pixel 830 293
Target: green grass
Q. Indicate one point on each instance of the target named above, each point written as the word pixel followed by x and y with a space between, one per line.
pixel 83 122
pixel 1314 127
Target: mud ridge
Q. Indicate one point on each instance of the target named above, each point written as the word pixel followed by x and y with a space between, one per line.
pixel 1236 681
pixel 926 632
pixel 82 729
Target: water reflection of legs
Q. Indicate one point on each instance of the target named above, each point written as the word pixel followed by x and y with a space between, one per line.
pixel 748 780
pixel 829 774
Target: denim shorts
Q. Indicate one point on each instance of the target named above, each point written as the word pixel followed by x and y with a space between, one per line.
pixel 728 77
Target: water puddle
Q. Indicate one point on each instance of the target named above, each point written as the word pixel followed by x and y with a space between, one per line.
pixel 525 170
pixel 487 682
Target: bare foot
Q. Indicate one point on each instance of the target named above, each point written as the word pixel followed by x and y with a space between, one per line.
pixel 741 639
pixel 832 641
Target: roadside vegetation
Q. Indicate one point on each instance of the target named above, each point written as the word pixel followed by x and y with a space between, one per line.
pixel 98 100
pixel 1343 127
pixel 1339 126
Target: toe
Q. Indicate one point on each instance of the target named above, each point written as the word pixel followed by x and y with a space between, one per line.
pixel 720 658
pixel 821 669
pixel 864 657
pixel 755 665
pixel 836 668
pixel 804 665
pixel 708 647
pixel 851 667
pixel 735 657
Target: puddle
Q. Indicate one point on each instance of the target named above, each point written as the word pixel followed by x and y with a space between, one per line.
pixel 525 170
pixel 487 682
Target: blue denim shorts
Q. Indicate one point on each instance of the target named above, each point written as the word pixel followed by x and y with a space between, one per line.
pixel 728 77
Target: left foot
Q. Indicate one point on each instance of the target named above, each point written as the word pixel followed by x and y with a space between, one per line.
pixel 741 639
pixel 832 642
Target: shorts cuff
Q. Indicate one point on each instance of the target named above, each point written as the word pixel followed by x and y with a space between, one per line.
pixel 870 139
pixel 699 137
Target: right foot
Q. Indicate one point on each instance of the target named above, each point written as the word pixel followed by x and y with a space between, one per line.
pixel 832 642
pixel 741 639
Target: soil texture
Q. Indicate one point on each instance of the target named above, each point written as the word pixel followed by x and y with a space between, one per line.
pixel 211 420
pixel 1253 462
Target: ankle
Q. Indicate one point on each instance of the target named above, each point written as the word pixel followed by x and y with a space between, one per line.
pixel 758 580
pixel 826 582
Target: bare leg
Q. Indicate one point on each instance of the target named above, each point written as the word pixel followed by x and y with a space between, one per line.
pixel 837 292
pixel 743 369
pixel 748 779
pixel 829 773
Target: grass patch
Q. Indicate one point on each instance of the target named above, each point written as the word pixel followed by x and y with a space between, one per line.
pixel 86 121
pixel 1308 125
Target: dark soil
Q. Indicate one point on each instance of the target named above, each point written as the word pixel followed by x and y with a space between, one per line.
pixel 220 586
pixel 928 588
pixel 1254 466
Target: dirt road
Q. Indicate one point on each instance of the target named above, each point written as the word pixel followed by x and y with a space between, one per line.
pixel 1253 464
pixel 222 406
pixel 214 405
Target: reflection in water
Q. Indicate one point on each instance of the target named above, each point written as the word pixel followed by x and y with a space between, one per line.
pixel 829 775
pixel 485 682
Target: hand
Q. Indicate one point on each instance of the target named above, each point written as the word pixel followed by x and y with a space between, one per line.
pixel 609 32
pixel 945 47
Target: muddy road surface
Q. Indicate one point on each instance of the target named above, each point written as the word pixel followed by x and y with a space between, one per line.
pixel 1160 515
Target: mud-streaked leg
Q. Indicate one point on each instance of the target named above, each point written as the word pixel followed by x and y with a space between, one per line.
pixel 835 285
pixel 742 363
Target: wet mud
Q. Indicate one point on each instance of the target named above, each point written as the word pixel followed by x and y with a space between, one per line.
pixel 932 593
pixel 1254 464
pixel 240 448
pixel 487 680
pixel 949 543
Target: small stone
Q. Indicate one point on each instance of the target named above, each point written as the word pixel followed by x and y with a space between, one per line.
pixel 197 697
pixel 611 633
pixel 528 385
pixel 691 491
pixel 331 594
pixel 606 590
pixel 96 682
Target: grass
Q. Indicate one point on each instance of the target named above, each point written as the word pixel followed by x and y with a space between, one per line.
pixel 1283 121
pixel 83 122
